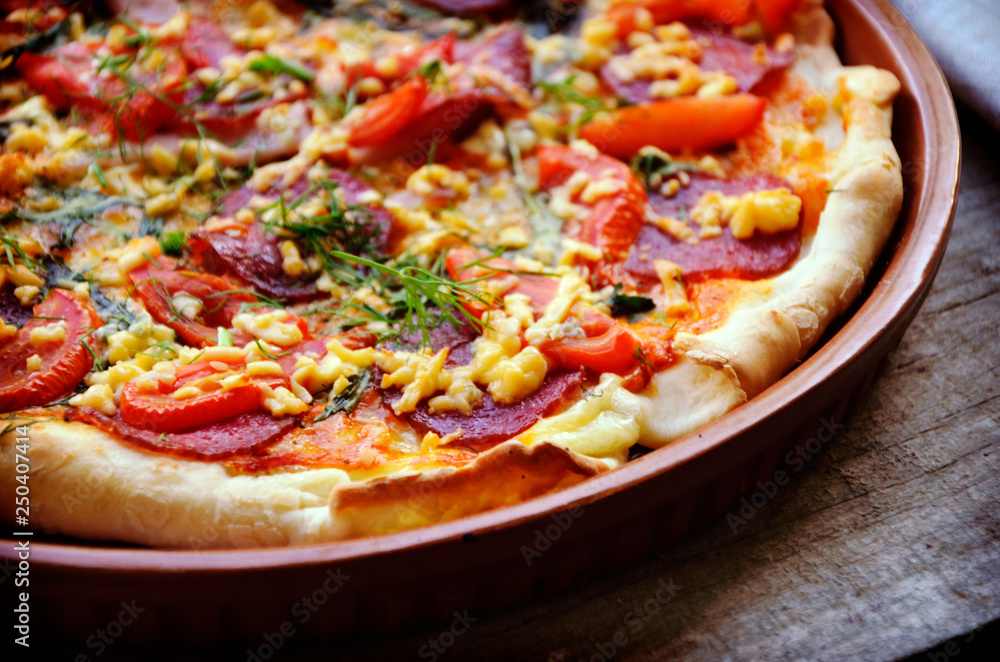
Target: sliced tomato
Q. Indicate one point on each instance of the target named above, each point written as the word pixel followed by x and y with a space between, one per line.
pixel 389 114
pixel 614 350
pixel 63 364
pixel 132 102
pixel 62 77
pixel 726 12
pixel 408 60
pixel 539 289
pixel 615 220
pixel 152 405
pixel 608 347
pixel 774 14
pixel 673 125
pixel 221 301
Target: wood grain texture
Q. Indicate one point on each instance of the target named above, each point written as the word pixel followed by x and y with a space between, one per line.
pixel 884 544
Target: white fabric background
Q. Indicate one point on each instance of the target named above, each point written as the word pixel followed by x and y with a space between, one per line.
pixel 964 36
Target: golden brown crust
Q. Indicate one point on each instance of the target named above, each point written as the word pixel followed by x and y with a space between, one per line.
pixel 507 474
pixel 88 484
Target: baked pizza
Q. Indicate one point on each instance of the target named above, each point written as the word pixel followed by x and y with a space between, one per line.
pixel 280 273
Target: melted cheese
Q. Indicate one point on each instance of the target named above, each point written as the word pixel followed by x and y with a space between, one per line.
pixel 281 402
pixel 605 423
pixel 137 253
pixel 420 375
pixel 99 397
pixel 51 332
pixel 269 326
pixel 768 212
pixel 337 365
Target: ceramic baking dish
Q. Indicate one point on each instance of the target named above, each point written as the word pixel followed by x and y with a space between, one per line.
pixel 505 556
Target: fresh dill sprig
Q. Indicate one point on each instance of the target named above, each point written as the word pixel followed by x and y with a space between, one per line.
pixel 547 226
pixel 565 93
pixel 653 165
pixel 270 64
pixel 424 298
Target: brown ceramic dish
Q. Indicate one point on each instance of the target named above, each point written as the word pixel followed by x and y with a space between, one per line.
pixel 479 562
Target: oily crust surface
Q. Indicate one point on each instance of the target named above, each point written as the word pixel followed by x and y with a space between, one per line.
pixel 86 483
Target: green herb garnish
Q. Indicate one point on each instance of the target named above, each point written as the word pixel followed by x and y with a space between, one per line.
pixel 271 64
pixel 423 298
pixel 626 304
pixel 348 399
pixel 651 163
pixel 225 338
pixel 173 243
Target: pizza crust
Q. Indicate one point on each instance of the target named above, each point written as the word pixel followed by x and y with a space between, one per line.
pixel 760 342
pixel 87 484
pixel 505 475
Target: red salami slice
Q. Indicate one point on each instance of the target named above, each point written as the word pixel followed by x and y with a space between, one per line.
pixel 254 256
pixel 240 434
pixel 503 50
pixel 11 310
pixel 450 116
pixel 747 63
pixel 444 335
pixel 491 423
pixel 724 256
pixel 466 6
pixel 205 44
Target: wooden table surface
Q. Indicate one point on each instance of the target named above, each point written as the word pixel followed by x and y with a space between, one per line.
pixel 886 544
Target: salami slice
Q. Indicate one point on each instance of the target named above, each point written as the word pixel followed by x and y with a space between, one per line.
pixel 747 63
pixel 234 436
pixel 725 256
pixel 491 423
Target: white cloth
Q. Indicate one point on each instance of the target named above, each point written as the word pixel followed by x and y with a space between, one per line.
pixel 964 36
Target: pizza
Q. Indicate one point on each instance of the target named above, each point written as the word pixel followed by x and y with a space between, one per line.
pixel 279 273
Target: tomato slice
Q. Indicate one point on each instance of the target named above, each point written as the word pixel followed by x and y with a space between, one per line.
pixel 774 14
pixel 63 363
pixel 615 220
pixel 608 347
pixel 539 289
pixel 612 351
pixel 726 12
pixel 408 60
pixel 389 114
pixel 152 406
pixel 220 301
pixel 60 77
pixel 697 123
pixel 130 101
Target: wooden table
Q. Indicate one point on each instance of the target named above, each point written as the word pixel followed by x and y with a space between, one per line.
pixel 886 544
